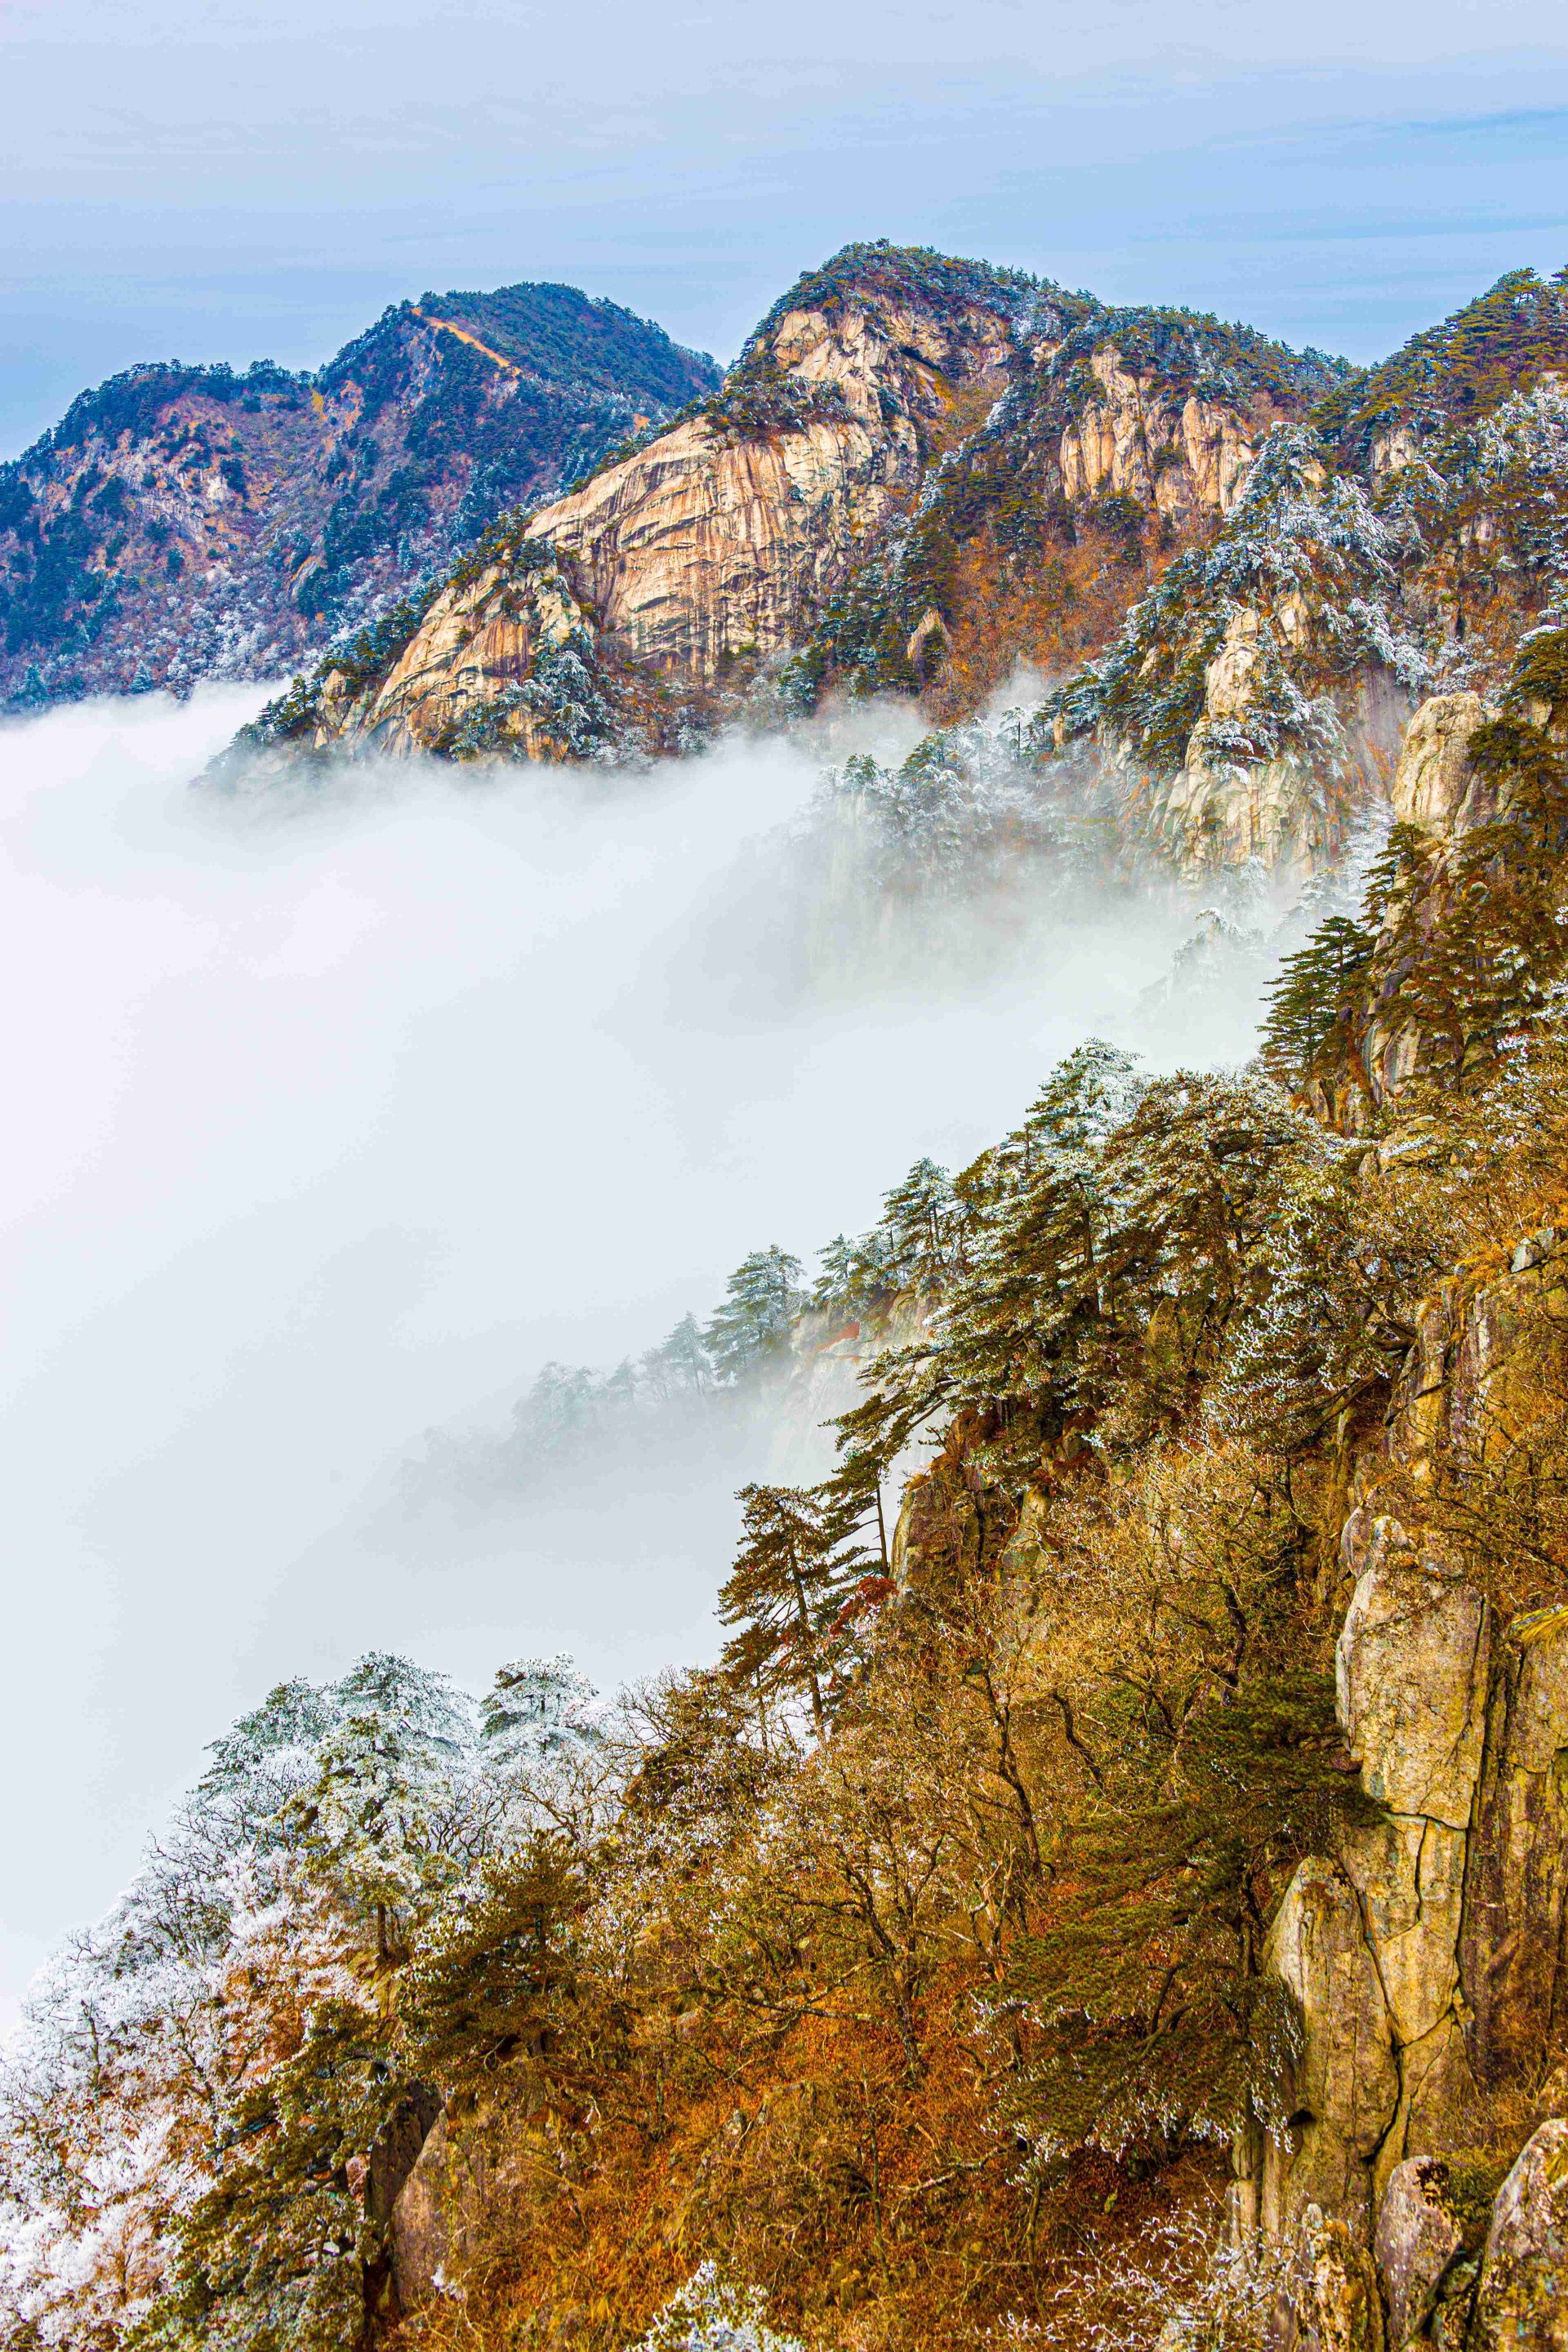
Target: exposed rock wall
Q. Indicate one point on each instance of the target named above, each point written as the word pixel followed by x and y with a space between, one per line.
pixel 1477 882
pixel 1434 784
pixel 475 674
pixel 1254 696
pixel 710 546
pixel 890 410
pixel 1454 2267
pixel 1170 450
pixel 716 545
pixel 1428 1958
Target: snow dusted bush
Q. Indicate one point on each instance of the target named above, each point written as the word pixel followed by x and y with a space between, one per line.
pixel 1179 2287
pixel 708 2315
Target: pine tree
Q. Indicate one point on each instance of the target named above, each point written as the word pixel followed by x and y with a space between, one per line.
pixel 1158 2017
pixel 494 1977
pixel 922 1224
pixel 681 1364
pixel 268 1755
pixel 559 1411
pixel 385 1776
pixel 1037 1270
pixel 534 1706
pixel 836 1281
pixel 1308 1001
pixel 798 1562
pixel 854 1273
pixel 752 1327
pixel 274 2256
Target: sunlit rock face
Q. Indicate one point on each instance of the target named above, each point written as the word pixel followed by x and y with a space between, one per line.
pixel 715 542
pixel 1447 791
pixel 1140 438
pixel 1521 2297
pixel 714 546
pixel 1235 570
pixel 1434 784
pixel 1425 1957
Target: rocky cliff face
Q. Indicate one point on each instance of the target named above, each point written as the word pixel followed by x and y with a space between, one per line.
pixel 504 662
pixel 1135 436
pixel 722 542
pixel 1427 1957
pixel 1254 698
pixel 190 523
pixel 922 470
pixel 1395 543
pixel 1412 2188
pixel 1429 1966
pixel 711 550
pixel 893 413
pixel 1460 940
pixel 1122 437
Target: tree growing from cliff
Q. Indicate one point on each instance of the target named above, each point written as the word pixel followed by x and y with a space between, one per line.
pixel 681 1364
pixel 853 1274
pixel 1205 1762
pixel 1309 1000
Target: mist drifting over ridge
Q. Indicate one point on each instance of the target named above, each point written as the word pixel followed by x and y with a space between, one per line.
pixel 332 1120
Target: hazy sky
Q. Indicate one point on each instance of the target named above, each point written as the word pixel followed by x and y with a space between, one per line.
pixel 229 178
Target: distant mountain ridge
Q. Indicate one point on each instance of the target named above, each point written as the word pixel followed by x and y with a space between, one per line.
pixel 185 523
pixel 1238 568
pixel 921 469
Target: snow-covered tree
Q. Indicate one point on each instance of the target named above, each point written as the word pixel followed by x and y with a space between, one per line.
pixel 533 1706
pixel 752 1322
pixel 709 2314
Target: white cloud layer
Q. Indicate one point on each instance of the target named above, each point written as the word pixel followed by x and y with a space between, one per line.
pixel 330 1123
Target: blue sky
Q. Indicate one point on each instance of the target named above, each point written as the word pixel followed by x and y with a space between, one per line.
pixel 224 179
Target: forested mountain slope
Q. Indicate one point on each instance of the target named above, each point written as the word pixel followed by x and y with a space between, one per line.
pixel 1110 1890
pixel 189 522
pixel 1397 543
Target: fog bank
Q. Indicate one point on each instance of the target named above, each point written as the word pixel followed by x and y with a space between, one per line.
pixel 330 1122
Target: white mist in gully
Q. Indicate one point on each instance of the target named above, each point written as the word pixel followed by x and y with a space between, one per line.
pixel 330 1119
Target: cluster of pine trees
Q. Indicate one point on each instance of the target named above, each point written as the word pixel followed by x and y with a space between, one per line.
pixel 725 1374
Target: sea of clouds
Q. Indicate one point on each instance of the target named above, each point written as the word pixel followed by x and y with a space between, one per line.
pixel 331 1115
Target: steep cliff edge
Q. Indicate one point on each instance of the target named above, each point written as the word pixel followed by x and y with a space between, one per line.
pixel 1428 1959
